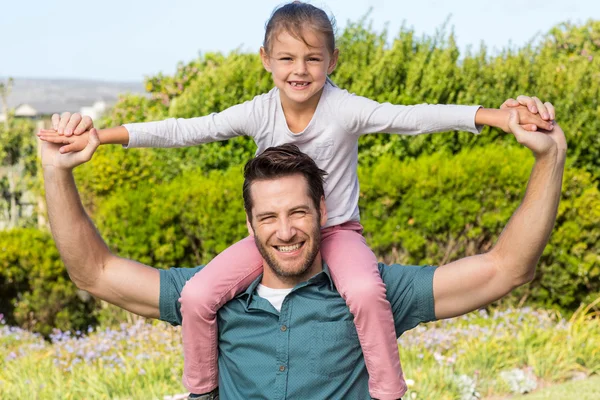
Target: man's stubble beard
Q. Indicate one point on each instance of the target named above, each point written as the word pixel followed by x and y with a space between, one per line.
pixel 278 270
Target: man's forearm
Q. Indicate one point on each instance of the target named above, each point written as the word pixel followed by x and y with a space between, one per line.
pixel 81 247
pixel 523 240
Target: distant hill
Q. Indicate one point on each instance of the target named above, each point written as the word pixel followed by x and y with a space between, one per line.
pixel 48 96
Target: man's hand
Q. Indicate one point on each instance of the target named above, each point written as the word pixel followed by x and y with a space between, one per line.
pixel 541 143
pixel 71 124
pixel 54 156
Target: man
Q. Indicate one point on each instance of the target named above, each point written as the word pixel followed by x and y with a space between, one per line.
pixel 309 348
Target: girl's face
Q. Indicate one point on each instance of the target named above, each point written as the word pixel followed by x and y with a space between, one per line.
pixel 298 70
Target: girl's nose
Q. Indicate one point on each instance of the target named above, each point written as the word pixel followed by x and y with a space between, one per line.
pixel 300 68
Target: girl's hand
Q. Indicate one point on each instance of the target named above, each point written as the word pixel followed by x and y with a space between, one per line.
pixel 533 114
pixel 529 121
pixel 73 143
pixel 71 124
pixel 535 105
pixel 51 157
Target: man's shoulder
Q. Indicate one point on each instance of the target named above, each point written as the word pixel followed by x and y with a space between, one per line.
pixel 179 276
pixel 397 269
pixel 409 289
pixel 172 281
pixel 400 278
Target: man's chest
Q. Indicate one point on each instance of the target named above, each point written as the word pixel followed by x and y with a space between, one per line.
pixel 305 351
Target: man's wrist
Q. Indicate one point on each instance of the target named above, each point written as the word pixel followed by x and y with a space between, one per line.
pixel 553 155
pixel 53 170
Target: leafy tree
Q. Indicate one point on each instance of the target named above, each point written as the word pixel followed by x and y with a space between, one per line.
pixel 17 160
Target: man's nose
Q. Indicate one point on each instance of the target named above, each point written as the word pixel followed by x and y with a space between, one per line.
pixel 285 230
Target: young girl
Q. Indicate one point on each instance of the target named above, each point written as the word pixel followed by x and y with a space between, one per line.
pixel 325 122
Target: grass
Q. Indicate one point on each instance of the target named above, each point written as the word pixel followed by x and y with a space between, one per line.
pixel 496 355
pixel 588 389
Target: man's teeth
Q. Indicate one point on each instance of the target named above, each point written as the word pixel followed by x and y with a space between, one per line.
pixel 287 249
pixel 299 84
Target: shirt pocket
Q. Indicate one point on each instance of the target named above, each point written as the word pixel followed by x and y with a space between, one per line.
pixel 335 348
pixel 322 151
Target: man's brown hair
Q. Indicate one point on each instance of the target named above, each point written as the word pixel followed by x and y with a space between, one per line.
pixel 280 161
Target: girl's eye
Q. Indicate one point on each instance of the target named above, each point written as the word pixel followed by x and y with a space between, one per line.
pixel 285 59
pixel 314 59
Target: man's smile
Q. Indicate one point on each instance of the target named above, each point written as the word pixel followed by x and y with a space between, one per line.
pixel 289 248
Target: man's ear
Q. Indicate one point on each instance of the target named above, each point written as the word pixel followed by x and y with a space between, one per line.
pixel 266 61
pixel 249 226
pixel 323 208
pixel 333 61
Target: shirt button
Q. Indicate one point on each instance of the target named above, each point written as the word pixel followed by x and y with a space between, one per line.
pixel 283 328
pixel 282 368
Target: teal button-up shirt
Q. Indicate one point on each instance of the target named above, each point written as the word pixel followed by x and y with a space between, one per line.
pixel 310 349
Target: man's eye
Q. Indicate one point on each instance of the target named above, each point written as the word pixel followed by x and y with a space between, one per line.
pixel 299 213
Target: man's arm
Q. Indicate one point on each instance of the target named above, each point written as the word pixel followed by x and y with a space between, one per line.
pixel 90 264
pixel 470 283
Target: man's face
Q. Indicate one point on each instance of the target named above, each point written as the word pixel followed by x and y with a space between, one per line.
pixel 287 229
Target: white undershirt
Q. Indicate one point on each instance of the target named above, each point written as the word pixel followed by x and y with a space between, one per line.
pixel 273 296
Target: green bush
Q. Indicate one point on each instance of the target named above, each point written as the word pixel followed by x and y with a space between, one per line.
pixel 35 290
pixel 420 204
pixel 183 223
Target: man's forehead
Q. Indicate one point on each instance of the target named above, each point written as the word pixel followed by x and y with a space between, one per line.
pixel 289 191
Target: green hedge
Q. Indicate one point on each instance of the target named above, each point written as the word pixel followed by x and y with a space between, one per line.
pixel 431 210
pixel 437 208
pixel 183 223
pixel 35 290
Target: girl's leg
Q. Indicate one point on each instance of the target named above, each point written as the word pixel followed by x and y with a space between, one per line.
pixel 354 270
pixel 218 282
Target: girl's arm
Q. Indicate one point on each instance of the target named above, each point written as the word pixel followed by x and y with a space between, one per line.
pixel 118 135
pixel 77 142
pixel 361 115
pixel 235 121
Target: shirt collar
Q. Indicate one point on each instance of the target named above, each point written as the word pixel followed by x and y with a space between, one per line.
pixel 322 276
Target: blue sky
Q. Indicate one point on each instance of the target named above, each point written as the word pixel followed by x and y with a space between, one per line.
pixel 128 39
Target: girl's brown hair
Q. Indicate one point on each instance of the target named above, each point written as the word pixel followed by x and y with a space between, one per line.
pixel 293 18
